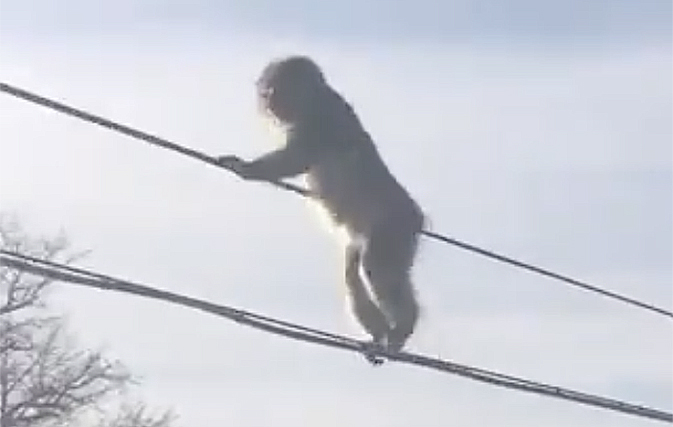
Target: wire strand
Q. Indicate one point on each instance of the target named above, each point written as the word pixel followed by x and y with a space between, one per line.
pixel 547 273
pixel 163 143
pixel 77 276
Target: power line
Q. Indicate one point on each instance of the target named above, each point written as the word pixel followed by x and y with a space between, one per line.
pixel 87 278
pixel 163 143
pixel 548 273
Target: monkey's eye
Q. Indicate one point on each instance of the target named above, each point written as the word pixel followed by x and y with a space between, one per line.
pixel 264 92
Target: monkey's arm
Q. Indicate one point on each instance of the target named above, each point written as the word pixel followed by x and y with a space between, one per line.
pixel 293 159
pixel 287 162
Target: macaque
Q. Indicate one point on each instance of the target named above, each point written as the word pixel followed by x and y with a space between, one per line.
pixel 327 144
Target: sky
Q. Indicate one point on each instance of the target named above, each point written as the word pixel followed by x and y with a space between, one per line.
pixel 538 129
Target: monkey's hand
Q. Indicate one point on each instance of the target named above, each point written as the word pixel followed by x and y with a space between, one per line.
pixel 237 165
pixel 273 166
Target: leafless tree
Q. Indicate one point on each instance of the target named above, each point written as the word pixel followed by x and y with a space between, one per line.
pixel 137 415
pixel 45 380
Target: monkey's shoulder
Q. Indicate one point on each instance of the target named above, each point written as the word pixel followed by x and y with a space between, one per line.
pixel 334 123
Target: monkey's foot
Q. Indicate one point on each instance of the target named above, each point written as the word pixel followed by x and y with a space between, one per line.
pixel 374 360
pixel 369 349
pixel 396 340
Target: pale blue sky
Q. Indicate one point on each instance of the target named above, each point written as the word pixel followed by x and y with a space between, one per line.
pixel 544 137
pixel 464 20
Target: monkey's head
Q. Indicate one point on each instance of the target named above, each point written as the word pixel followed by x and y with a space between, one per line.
pixel 289 87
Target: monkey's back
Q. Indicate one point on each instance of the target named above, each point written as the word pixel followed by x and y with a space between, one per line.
pixel 350 178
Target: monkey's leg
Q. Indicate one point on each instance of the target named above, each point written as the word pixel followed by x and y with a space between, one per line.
pixel 388 258
pixel 367 313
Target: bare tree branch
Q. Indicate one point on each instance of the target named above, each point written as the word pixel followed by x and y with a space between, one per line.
pixel 137 415
pixel 18 290
pixel 44 379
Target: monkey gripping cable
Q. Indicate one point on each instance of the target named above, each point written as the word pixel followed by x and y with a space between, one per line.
pixel 163 143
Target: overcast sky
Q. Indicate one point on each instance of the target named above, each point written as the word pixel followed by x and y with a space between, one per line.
pixel 539 129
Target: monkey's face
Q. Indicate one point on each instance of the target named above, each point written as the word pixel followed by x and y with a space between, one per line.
pixel 287 88
pixel 286 101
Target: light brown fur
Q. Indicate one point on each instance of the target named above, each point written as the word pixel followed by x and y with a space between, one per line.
pixel 326 142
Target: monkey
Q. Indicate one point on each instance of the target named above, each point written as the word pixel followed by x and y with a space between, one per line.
pixel 326 143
